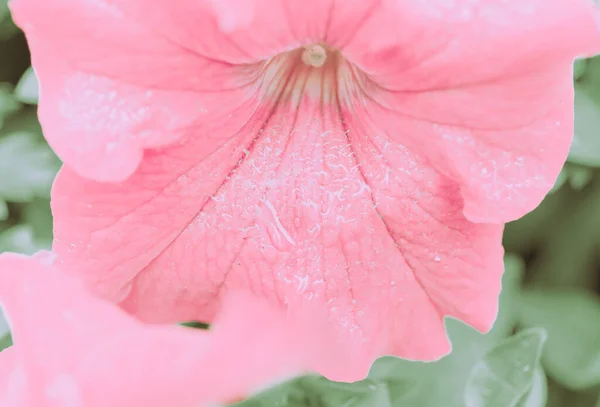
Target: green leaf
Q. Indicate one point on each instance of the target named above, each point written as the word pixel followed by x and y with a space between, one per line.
pixel 316 391
pixel 575 175
pixel 585 148
pixel 579 68
pixel 32 233
pixel 3 210
pixel 506 373
pixel 572 355
pixel 562 178
pixel 38 215
pixel 28 167
pixel 579 176
pixel 27 90
pixel 5 342
pixel 7 27
pixel 290 393
pixel 5 336
pixel 24 120
pixel 538 395
pixel 8 104
pixel 4 328
pixel 195 325
pixel 4 11
pixel 19 239
pixel 298 392
pixel 361 394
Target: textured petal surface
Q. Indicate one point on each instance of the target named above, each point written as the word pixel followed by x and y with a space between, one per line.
pixel 483 90
pixel 503 142
pixel 381 203
pixel 313 213
pixel 110 88
pixel 442 44
pixel 242 31
pixel 428 56
pixel 92 354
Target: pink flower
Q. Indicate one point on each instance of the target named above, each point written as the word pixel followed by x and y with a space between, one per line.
pixel 361 156
pixel 72 349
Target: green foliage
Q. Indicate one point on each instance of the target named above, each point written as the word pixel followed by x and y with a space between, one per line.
pixel 5 336
pixel 538 394
pixel 27 90
pixel 5 342
pixel 585 148
pixel 574 175
pixel 28 167
pixel 572 320
pixel 7 27
pixel 579 68
pixel 19 239
pixel 8 103
pixel 316 391
pixel 505 375
pixel 195 325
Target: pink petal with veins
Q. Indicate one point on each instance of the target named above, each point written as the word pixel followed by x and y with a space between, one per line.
pixel 72 349
pixel 357 158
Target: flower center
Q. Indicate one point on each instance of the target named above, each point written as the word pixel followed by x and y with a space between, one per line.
pixel 314 56
pixel 314 73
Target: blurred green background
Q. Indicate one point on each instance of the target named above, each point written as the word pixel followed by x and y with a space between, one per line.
pixel 552 275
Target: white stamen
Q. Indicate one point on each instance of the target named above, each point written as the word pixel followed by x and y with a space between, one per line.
pixel 314 56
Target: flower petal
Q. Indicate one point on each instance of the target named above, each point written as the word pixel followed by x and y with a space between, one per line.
pixel 245 31
pixel 366 211
pixel 97 38
pixel 423 45
pixel 110 88
pixel 93 354
pixel 503 142
pixel 300 210
pixel 402 44
pixel 481 89
pixel 13 382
